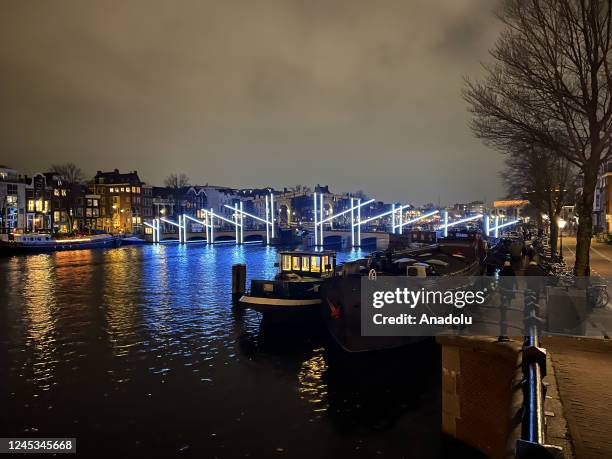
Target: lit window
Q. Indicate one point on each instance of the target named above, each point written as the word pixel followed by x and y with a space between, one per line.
pixel 56 192
pixel 63 192
pixel 295 261
pixel 112 189
pixel 30 205
pixel 315 264
pixel 305 263
pixel 286 263
pixel 325 262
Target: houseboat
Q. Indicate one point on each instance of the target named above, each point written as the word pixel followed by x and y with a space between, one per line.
pixel 341 295
pixel 41 242
pixel 295 290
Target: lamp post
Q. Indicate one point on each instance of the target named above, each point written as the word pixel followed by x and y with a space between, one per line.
pixel 561 225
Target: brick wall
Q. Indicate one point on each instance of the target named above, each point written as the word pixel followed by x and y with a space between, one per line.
pixel 481 395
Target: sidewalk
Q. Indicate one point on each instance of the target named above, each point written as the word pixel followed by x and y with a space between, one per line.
pixel 600 259
pixel 583 369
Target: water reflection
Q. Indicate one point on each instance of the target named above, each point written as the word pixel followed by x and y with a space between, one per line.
pixel 40 322
pixel 143 345
pixel 312 387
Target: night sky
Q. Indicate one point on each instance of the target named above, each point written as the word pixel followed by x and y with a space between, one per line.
pixel 356 94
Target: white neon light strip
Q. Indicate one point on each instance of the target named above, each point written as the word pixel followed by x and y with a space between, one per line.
pixel 384 214
pixel 241 224
pixel 419 218
pixel 236 236
pixel 171 222
pixel 315 219
pixel 272 215
pixel 352 209
pixel 267 221
pixel 506 224
pixel 458 222
pixel 222 218
pixel 212 226
pixel 321 213
pixel 248 214
pixel 359 222
pixel 195 220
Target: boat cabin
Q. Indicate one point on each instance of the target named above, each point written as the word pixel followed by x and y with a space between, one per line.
pixel 308 264
pixel 32 238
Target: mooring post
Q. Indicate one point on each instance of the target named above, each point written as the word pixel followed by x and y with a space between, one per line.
pixel 238 281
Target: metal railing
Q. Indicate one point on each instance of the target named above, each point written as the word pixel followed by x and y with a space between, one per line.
pixel 532 443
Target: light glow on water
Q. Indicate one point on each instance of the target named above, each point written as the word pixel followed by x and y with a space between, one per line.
pixel 141 344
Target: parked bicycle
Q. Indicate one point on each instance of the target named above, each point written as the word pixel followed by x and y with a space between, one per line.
pixel 597 296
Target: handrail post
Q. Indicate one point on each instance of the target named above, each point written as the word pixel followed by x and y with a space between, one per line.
pixel 532 443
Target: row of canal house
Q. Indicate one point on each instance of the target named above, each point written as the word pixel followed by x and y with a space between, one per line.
pixel 42 202
pixel 121 203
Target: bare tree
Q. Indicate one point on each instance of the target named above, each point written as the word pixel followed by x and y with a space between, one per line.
pixel 176 181
pixel 543 178
pixel 550 87
pixel 74 178
pixel 69 172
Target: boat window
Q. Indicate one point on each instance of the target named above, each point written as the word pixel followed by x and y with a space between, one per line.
pixel 324 262
pixel 305 263
pixel 315 264
pixel 286 263
pixel 296 263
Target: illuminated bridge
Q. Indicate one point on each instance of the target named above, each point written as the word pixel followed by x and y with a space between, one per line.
pixel 356 231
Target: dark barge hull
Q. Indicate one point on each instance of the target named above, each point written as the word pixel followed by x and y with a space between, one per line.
pixel 341 298
pixel 11 248
pixel 341 312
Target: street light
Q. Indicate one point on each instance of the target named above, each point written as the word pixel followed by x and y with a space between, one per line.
pixel 562 224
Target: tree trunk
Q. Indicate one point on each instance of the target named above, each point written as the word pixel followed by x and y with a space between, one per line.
pixel 554 233
pixel 585 220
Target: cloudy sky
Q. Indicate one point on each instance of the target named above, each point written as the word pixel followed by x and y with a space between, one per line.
pixel 356 94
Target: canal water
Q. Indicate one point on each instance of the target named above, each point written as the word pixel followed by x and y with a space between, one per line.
pixel 138 351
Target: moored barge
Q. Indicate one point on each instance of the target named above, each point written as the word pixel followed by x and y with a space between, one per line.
pixel 41 242
pixel 341 294
pixel 295 290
